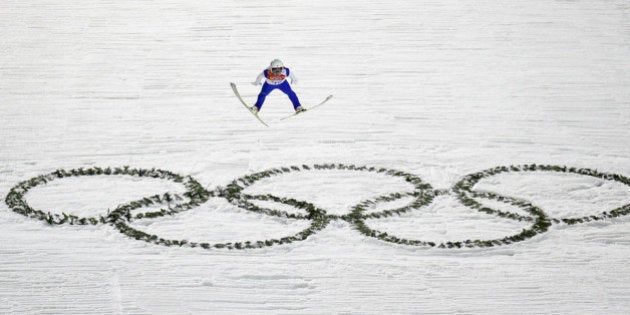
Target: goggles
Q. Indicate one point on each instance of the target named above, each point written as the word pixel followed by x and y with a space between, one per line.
pixel 276 70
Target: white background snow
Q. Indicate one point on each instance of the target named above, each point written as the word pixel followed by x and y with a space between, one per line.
pixel 439 89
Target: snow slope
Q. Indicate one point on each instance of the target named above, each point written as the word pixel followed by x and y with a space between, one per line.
pixel 437 89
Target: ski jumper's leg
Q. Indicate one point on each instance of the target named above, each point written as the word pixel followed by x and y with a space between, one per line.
pixel 266 89
pixel 286 88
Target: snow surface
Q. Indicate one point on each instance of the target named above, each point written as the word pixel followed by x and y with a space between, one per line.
pixel 438 89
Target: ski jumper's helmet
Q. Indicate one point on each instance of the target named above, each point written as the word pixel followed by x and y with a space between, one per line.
pixel 277 63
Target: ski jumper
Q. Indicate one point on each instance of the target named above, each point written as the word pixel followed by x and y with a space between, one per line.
pixel 276 81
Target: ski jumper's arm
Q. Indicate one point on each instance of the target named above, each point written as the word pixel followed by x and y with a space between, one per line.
pixel 259 78
pixel 291 75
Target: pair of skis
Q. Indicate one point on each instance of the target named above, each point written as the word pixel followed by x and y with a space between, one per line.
pixel 249 109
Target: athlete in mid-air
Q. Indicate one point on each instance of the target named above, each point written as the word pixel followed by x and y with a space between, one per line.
pixel 276 78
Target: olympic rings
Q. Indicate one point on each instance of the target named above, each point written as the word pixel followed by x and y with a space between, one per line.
pixel 422 195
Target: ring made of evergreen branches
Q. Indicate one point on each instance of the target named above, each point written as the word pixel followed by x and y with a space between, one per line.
pixel 422 195
pixel 467 194
pixel 194 196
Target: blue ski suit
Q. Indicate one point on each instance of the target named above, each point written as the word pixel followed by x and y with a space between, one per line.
pixel 276 81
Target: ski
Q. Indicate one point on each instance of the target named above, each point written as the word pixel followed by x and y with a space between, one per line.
pixel 309 108
pixel 245 104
